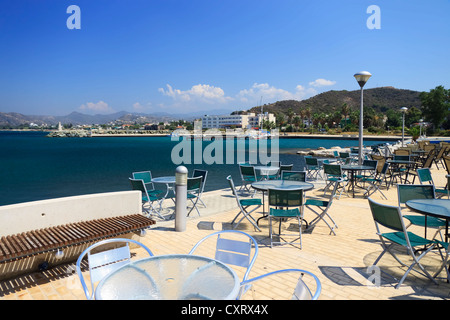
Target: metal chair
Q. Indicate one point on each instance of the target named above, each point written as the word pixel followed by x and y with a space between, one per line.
pixel 248 176
pixel 390 217
pixel 203 174
pixel 375 182
pixel 293 175
pixel 146 176
pixel 323 206
pixel 280 199
pixel 312 168
pixel 103 262
pixel 334 176
pixel 139 185
pixel 243 205
pixel 424 175
pixel 284 167
pixel 233 247
pixel 301 291
pixel 419 191
pixel 193 192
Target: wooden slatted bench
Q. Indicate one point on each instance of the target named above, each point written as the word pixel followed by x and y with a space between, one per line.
pixel 26 244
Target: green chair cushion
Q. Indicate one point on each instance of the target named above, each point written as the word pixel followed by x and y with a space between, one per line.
pixel 432 222
pixel 284 213
pixel 399 238
pixel 250 202
pixel 315 202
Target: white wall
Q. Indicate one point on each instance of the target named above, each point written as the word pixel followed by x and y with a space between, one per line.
pixel 28 216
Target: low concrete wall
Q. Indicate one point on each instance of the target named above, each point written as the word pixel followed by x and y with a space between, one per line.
pixel 17 218
pixel 22 217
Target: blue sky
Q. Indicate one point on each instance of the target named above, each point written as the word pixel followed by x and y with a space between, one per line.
pixel 179 56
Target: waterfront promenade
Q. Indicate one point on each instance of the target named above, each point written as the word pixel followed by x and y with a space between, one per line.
pixel 339 261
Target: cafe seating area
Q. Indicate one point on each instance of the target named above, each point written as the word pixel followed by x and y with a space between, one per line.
pixel 334 263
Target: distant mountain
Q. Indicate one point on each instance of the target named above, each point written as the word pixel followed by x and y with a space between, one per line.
pixel 13 119
pixel 380 99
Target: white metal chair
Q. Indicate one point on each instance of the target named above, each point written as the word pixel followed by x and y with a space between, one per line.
pixel 231 249
pixel 301 291
pixel 243 205
pixel 146 176
pixel 101 263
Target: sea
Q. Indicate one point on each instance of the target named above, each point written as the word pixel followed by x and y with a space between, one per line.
pixel 36 167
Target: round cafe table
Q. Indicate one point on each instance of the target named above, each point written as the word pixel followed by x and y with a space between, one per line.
pixel 169 181
pixel 352 168
pixel 170 277
pixel 267 170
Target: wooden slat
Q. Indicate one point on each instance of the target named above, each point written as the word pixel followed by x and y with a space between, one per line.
pixel 52 238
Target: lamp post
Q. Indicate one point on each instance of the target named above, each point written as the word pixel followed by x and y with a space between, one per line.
pixel 403 110
pixel 420 127
pixel 362 78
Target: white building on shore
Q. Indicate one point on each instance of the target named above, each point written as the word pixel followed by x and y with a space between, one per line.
pixel 244 121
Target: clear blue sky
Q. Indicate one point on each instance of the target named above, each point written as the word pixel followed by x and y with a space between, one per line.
pixel 188 55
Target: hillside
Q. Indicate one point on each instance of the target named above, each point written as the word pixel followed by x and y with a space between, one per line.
pixel 380 99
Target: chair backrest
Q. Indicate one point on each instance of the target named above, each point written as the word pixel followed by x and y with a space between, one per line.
pixel 384 169
pixel 387 216
pixel 194 184
pixel 381 161
pixel 293 175
pixel 139 185
pixel 201 173
pixel 447 163
pixel 401 157
pixel 286 167
pixel 310 161
pixel 233 251
pixel 414 191
pixel 429 160
pixel 103 262
pixel 285 198
pixel 344 155
pixel 424 175
pixel 402 152
pixel 332 169
pixel 371 163
pixel 146 176
pixel 247 170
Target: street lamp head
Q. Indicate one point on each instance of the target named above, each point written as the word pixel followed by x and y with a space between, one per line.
pixel 362 77
pixel 404 109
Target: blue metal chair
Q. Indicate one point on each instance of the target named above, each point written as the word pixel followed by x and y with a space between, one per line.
pixel 293 175
pixel 193 192
pixel 301 291
pixel 139 185
pixel 243 205
pixel 424 175
pixel 101 263
pixel 232 249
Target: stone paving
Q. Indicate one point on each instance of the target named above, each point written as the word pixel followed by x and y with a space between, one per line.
pixel 340 261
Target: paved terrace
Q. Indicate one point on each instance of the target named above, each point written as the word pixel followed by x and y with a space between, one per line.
pixel 340 261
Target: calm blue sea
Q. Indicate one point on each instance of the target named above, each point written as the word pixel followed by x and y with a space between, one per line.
pixel 34 167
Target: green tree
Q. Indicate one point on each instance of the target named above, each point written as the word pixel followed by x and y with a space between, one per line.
pixel 435 105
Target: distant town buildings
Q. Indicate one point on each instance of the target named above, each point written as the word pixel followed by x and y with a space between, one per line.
pixel 244 121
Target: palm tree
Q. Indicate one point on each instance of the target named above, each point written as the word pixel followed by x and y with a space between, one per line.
pixel 308 115
pixel 345 111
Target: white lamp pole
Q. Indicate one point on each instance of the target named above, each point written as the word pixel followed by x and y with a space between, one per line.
pixel 404 109
pixel 420 127
pixel 362 78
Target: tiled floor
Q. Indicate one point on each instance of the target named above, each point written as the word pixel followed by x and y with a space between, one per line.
pixel 340 261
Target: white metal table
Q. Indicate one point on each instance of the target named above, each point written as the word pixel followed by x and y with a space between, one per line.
pixel 170 277
pixel 267 170
pixel 169 181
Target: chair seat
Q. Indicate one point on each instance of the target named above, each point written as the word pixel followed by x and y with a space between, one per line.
pixel 432 222
pixel 316 202
pixel 249 178
pixel 441 191
pixel 152 198
pixel 399 238
pixel 284 213
pixel 155 191
pixel 250 202
pixel 192 196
